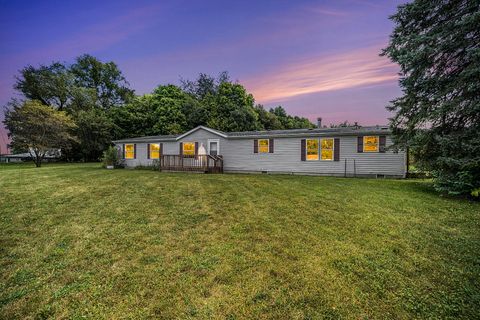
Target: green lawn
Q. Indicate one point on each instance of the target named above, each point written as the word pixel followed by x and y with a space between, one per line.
pixel 78 241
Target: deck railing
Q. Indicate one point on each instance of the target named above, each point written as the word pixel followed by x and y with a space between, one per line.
pixel 201 163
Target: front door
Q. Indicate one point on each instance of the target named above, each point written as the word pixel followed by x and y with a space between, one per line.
pixel 213 147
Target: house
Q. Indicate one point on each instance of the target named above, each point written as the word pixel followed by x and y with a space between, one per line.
pixel 344 151
pixel 11 158
pixel 50 155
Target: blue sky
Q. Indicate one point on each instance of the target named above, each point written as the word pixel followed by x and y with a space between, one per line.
pixel 316 58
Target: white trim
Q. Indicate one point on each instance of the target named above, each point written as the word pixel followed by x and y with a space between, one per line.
pixel 218 145
pixel 204 128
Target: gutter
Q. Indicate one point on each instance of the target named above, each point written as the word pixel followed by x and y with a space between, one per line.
pixel 313 134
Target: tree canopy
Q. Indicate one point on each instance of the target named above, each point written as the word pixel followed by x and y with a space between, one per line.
pixel 98 98
pixel 38 128
pixel 111 87
pixel 437 45
pixel 214 102
pixel 50 84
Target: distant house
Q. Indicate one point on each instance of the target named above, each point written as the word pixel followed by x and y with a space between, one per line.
pixel 51 155
pixel 345 151
pixel 11 158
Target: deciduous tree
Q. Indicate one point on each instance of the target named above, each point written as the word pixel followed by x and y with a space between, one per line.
pixel 105 78
pixel 50 84
pixel 38 128
pixel 94 133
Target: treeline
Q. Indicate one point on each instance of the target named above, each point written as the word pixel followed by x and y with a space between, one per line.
pixel 103 107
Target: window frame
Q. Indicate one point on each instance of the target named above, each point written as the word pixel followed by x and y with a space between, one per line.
pixel 132 152
pixel 318 149
pixel 218 145
pixel 158 150
pixel 333 149
pixel 267 146
pixel 371 151
pixel 183 148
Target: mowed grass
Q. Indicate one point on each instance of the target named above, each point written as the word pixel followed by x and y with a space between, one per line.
pixel 78 241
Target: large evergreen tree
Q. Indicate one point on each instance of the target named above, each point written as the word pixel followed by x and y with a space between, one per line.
pixel 437 45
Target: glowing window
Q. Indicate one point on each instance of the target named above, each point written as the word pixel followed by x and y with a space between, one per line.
pixel 327 149
pixel 154 151
pixel 370 144
pixel 263 146
pixel 312 149
pixel 129 151
pixel 189 148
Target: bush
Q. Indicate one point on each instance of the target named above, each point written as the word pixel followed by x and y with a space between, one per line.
pixel 110 157
pixel 154 166
pixel 476 193
pixel 141 167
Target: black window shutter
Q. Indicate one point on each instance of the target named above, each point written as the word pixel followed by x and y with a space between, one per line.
pixel 148 150
pixel 303 149
pixel 383 143
pixel 160 152
pixel 196 148
pixel 359 144
pixel 336 149
pixel 123 151
pixel 255 146
pixel 270 146
pixel 134 151
pixel 180 152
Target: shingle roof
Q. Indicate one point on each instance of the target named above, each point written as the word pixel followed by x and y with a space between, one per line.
pixel 280 133
pixel 170 137
pixel 314 131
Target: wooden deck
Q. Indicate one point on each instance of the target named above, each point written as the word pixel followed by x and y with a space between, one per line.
pixel 200 163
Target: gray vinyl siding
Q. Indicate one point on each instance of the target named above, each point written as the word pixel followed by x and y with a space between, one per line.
pixel 202 137
pixel 169 147
pixel 141 156
pixel 239 157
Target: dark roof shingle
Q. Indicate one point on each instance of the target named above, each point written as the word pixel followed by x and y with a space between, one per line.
pixel 279 133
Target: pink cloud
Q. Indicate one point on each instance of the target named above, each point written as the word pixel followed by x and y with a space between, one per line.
pixel 359 67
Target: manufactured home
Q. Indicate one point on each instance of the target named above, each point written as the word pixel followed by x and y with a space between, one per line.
pixel 346 151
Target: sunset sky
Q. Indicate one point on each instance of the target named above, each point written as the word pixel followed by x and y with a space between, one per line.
pixel 315 58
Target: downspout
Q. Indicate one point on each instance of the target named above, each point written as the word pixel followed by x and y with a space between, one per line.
pixel 407 164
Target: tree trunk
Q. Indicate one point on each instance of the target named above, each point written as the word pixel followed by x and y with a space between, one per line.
pixel 38 162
